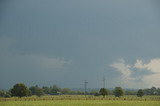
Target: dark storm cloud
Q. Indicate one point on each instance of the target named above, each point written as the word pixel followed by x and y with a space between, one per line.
pixel 65 42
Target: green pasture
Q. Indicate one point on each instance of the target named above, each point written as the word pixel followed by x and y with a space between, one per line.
pixel 81 100
pixel 83 97
pixel 80 103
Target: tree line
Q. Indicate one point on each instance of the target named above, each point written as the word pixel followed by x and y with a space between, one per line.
pixel 21 90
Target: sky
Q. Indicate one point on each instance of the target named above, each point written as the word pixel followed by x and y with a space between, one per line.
pixel 65 42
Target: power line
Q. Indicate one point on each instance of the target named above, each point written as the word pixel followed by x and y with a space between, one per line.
pixel 104 82
pixel 85 86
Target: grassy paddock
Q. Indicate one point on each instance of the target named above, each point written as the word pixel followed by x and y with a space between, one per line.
pixel 82 97
pixel 80 103
pixel 81 100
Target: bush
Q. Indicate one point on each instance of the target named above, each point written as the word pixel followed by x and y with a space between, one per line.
pixel 19 90
pixel 103 91
pixel 118 92
pixel 140 93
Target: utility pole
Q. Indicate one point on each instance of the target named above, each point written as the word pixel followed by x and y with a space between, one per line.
pixel 85 85
pixel 104 82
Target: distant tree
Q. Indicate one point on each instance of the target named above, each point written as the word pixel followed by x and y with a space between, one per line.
pixel 147 91
pixel 29 93
pixel 78 92
pixel 94 92
pixel 46 90
pixel 140 93
pixel 66 91
pixel 39 92
pixel 130 92
pixel 153 91
pixel 19 90
pixel 54 90
pixel 103 92
pixel 7 95
pixel 158 91
pixel 4 93
pixel 97 94
pixel 118 92
pixel 33 89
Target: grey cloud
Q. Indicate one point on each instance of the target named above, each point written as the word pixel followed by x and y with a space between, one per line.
pixel 82 37
pixel 131 73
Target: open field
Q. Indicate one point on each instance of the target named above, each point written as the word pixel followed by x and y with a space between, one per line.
pixel 80 103
pixel 83 97
pixel 81 100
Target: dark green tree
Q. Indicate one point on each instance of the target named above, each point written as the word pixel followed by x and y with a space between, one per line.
pixel 103 92
pixel 19 90
pixel 140 93
pixel 118 92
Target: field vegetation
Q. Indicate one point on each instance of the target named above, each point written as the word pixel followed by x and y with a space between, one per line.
pixel 81 100
pixel 20 95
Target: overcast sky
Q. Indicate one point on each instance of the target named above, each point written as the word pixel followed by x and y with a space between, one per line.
pixel 66 42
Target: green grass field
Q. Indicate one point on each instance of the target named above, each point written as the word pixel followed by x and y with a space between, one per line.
pixel 79 100
pixel 80 103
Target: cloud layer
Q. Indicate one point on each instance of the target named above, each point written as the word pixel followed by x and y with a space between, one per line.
pixel 66 42
pixel 148 72
pixel 27 68
pixel 123 68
